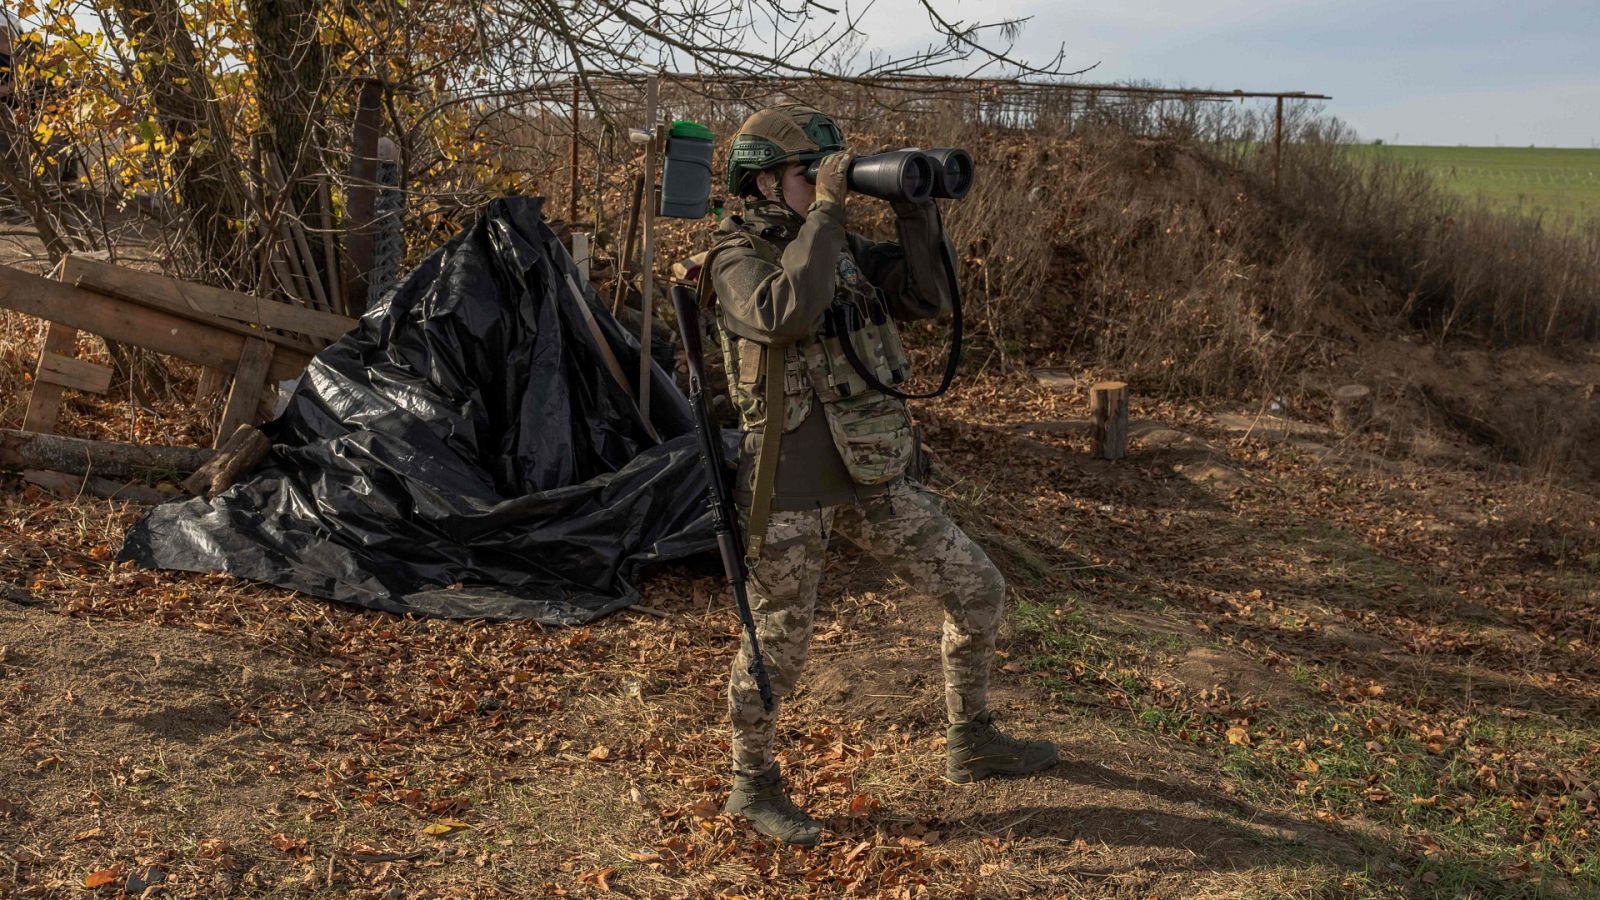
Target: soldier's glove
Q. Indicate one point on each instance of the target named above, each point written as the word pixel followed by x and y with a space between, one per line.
pixel 831 176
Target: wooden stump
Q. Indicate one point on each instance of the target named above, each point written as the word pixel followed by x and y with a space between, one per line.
pixel 1108 408
pixel 1352 408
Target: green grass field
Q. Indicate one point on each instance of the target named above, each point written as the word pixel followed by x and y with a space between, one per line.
pixel 1555 184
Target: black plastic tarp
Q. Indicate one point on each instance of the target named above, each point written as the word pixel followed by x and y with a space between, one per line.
pixel 464 453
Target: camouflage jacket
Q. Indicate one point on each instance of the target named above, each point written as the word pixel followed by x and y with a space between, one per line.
pixel 775 276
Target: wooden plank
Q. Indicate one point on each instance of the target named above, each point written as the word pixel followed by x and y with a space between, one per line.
pixel 78 374
pixel 132 323
pixel 186 298
pixel 44 403
pixel 248 381
pixel 330 258
pixel 114 459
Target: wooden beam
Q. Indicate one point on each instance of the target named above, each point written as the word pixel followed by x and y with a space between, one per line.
pixel 248 381
pixel 113 459
pixel 44 403
pixel 186 298
pixel 120 320
pixel 78 374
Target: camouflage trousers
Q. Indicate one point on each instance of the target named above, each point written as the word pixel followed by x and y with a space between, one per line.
pixel 906 530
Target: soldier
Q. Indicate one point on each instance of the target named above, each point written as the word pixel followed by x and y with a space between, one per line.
pixel 822 450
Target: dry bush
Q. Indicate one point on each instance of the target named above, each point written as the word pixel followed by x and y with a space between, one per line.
pixel 1172 260
pixel 1449 266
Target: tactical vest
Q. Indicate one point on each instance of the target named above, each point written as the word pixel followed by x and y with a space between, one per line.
pixel 871 430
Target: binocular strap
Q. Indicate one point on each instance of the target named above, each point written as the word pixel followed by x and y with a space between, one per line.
pixel 952 359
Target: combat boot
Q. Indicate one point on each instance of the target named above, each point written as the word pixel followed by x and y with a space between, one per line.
pixel 762 800
pixel 978 750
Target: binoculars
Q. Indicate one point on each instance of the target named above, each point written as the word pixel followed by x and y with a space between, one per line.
pixel 911 174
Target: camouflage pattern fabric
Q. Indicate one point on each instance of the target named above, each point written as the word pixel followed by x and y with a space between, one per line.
pixel 906 530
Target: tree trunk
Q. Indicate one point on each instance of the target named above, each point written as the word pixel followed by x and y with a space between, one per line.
pixel 16 173
pixel 291 69
pixel 207 181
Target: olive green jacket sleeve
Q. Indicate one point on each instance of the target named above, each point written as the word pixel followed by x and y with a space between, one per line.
pixel 909 271
pixel 782 302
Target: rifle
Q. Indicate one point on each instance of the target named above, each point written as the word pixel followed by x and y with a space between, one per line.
pixel 724 514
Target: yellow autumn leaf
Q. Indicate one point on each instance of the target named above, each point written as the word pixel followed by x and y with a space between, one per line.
pixel 444 827
pixel 1238 736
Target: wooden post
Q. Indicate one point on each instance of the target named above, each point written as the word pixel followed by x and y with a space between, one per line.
pixel 1277 146
pixel 1108 408
pixel 44 404
pixel 572 203
pixel 580 255
pixel 647 295
pixel 1352 408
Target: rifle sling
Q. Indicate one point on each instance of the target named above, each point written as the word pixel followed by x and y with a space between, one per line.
pixel 767 457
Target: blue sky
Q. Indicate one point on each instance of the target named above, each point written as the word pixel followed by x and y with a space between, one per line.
pixel 1419 72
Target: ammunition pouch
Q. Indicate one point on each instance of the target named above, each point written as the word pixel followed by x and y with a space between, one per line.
pixel 872 431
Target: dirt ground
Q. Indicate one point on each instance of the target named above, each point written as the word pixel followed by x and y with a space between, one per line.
pixel 1278 663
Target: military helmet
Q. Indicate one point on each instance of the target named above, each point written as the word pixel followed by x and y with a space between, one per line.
pixel 779 134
